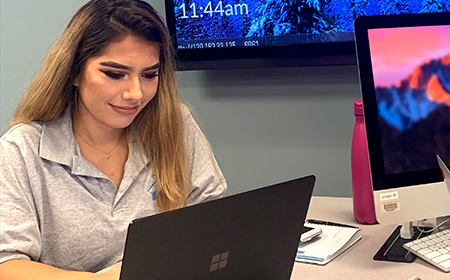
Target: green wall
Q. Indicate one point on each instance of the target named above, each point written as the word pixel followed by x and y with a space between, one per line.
pixel 265 125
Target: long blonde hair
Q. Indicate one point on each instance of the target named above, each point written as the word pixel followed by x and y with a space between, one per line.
pixel 158 129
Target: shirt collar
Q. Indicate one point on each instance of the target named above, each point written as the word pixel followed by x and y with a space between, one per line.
pixel 58 143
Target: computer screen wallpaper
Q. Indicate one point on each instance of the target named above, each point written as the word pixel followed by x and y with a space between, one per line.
pixel 411 71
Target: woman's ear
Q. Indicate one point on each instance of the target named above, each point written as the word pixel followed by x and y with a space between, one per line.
pixel 76 81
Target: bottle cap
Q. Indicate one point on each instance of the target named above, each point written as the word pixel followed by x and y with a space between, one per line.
pixel 358 108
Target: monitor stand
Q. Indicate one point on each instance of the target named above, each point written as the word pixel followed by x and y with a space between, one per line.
pixel 443 222
pixel 392 250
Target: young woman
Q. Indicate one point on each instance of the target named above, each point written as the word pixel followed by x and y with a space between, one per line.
pixel 100 138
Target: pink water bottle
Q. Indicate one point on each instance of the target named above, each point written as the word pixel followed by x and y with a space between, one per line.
pixel 363 205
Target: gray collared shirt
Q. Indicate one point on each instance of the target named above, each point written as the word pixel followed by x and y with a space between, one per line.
pixel 58 209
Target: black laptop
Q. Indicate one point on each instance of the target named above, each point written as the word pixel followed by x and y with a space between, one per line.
pixel 252 235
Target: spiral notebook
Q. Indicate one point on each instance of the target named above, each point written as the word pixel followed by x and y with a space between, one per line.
pixel 331 243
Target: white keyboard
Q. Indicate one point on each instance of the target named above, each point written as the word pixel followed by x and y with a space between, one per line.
pixel 434 248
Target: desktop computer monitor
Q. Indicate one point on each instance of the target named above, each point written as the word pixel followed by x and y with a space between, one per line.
pixel 404 69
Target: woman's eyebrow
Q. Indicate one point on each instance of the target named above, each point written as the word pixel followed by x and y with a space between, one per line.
pixel 153 67
pixel 121 66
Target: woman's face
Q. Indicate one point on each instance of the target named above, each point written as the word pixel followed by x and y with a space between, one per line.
pixel 115 86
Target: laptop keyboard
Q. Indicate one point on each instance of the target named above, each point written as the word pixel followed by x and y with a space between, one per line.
pixel 434 248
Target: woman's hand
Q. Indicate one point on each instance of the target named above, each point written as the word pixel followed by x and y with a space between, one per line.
pixel 111 274
pixel 30 270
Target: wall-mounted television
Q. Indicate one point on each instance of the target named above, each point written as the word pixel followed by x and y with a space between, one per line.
pixel 218 34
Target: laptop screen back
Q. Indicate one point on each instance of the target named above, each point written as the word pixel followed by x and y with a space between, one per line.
pixel 252 235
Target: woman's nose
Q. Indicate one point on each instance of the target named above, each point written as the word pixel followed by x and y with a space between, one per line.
pixel 134 90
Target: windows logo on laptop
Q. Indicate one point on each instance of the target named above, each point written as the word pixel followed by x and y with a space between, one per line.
pixel 219 261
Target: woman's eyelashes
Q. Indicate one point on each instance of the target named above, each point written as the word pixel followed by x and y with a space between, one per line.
pixel 117 76
pixel 113 75
pixel 150 76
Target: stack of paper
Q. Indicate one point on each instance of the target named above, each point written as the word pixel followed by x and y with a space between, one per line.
pixel 333 241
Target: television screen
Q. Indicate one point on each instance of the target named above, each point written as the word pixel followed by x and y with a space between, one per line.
pixel 277 30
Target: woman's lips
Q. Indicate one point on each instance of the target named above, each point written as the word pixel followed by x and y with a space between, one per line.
pixel 125 110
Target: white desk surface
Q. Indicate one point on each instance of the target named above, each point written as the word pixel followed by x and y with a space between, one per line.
pixel 357 262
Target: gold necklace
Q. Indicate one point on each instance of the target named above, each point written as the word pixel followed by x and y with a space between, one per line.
pixel 108 154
